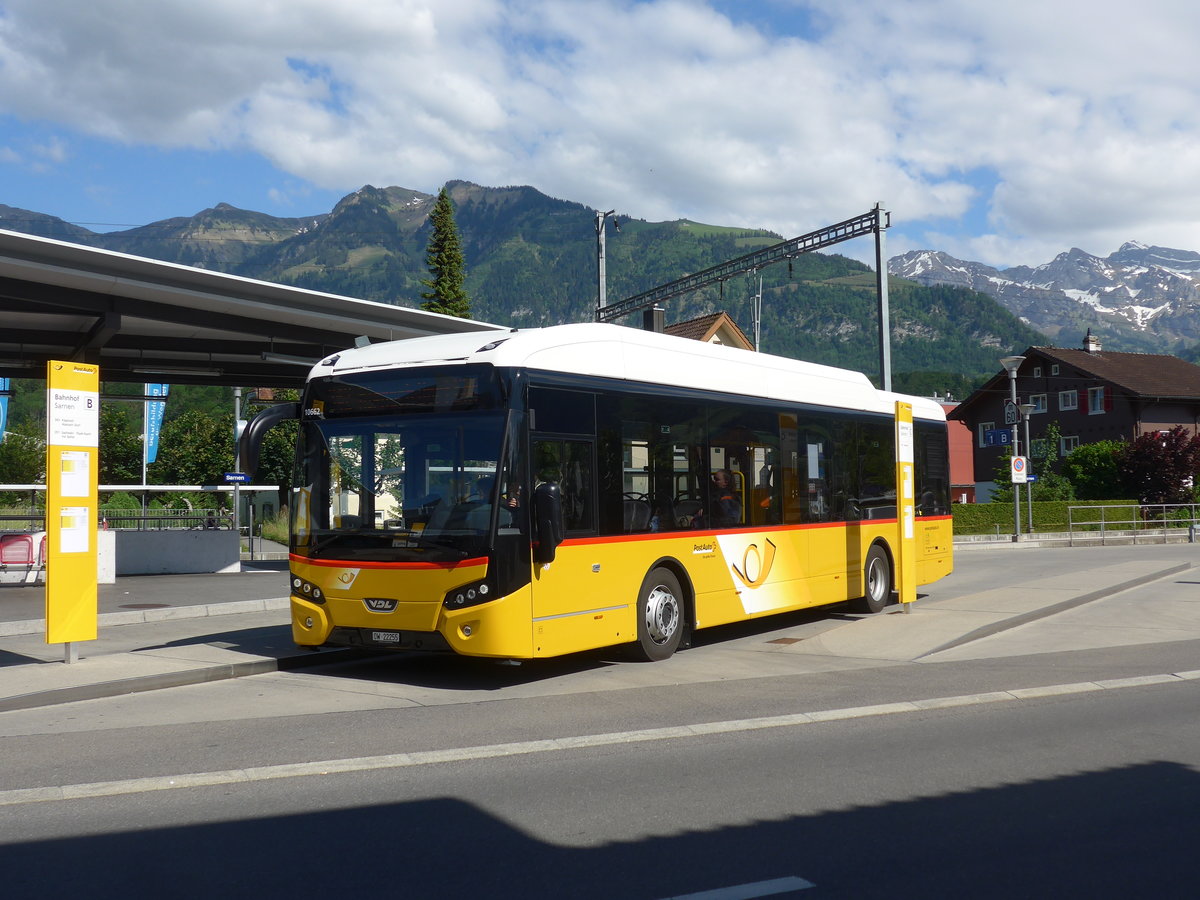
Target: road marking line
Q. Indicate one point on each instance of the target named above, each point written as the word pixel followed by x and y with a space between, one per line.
pixel 521 748
pixel 751 891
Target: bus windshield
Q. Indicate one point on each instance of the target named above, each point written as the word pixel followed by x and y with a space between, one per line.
pixel 420 488
pixel 398 486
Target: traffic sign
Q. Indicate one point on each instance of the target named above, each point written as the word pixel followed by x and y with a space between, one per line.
pixel 1011 414
pixel 997 437
pixel 1020 470
pixel 237 478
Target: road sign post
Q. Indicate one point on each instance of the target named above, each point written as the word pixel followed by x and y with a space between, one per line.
pixel 906 545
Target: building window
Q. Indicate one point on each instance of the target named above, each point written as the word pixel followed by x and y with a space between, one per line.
pixel 1037 371
pixel 984 428
pixel 1068 399
pixel 1054 369
pixel 1096 401
pixel 1067 443
pixel 1039 448
pixel 1039 403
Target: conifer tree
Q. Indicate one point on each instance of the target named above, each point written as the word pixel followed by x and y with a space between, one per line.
pixel 444 257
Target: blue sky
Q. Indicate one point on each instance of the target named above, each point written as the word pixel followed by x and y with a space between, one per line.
pixel 1004 133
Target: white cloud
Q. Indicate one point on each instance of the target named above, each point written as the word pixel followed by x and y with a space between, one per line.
pixel 665 108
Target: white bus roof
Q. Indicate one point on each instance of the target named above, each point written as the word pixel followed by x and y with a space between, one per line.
pixel 619 352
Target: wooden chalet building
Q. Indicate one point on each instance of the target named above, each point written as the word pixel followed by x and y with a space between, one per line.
pixel 715 328
pixel 1091 394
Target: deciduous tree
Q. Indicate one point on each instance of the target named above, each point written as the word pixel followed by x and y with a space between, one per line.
pixel 194 448
pixel 1160 467
pixel 120 446
pixel 23 459
pixel 1095 471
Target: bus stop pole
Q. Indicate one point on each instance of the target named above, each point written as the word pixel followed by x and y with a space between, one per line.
pixel 237 467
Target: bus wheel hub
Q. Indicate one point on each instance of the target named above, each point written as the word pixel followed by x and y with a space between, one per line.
pixel 662 614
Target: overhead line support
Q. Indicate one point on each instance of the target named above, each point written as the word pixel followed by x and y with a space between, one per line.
pixel 875 222
pixel 806 243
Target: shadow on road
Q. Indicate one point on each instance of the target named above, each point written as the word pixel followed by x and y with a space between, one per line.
pixel 1128 832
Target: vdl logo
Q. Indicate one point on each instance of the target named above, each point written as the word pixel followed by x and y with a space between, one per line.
pixel 380 604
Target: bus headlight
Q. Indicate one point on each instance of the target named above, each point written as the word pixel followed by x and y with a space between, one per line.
pixel 307 590
pixel 471 594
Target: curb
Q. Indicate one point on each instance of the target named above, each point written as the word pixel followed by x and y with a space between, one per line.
pixel 144 616
pixel 1054 609
pixel 141 683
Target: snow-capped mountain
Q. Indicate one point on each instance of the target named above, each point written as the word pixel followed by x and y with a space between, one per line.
pixel 1138 298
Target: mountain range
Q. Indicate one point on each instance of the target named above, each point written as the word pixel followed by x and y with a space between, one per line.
pixel 1140 298
pixel 531 260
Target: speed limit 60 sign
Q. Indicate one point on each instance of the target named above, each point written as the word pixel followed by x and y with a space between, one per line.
pixel 1020 470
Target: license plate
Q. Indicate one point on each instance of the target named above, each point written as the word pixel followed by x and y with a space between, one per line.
pixel 385 637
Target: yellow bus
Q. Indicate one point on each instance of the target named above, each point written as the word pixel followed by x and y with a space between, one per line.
pixel 546 491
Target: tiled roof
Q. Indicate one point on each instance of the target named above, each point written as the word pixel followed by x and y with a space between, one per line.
pixel 1143 374
pixel 702 327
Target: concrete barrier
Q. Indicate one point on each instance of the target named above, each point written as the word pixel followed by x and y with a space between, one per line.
pixel 176 552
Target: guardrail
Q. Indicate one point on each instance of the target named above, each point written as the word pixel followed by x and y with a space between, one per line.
pixel 127 519
pixel 1165 521
pixel 165 519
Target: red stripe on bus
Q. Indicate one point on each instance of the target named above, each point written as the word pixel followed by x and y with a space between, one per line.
pixel 772 529
pixel 359 564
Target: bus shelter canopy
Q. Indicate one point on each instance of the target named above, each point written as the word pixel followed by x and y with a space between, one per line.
pixel 143 320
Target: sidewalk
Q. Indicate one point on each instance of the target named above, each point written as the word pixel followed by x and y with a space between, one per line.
pixel 155 631
pixel 170 630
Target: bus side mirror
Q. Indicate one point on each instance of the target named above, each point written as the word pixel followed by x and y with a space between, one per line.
pixel 548 520
pixel 251 438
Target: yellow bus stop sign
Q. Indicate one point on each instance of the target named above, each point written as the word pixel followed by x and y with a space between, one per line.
pixel 72 468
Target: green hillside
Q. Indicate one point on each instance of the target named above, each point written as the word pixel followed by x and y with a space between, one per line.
pixel 531 261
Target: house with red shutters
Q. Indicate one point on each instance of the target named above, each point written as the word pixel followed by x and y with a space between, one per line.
pixel 1091 395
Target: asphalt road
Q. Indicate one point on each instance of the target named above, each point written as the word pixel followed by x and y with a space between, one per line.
pixel 1073 795
pixel 1060 758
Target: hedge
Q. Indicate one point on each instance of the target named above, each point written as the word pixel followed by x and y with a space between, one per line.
pixel 1048 515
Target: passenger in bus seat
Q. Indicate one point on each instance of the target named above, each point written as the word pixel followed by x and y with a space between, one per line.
pixel 726 510
pixel 481 492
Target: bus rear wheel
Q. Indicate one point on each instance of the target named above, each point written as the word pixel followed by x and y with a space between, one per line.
pixel 877 582
pixel 659 616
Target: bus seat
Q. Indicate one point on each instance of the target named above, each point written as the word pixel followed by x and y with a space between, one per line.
pixel 685 512
pixel 637 515
pixel 17 550
pixel 22 556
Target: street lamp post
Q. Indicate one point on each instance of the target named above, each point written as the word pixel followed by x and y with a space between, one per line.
pixel 601 286
pixel 1011 364
pixel 1026 409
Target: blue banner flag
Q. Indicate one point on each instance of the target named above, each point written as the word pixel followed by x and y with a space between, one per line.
pixel 4 394
pixel 154 417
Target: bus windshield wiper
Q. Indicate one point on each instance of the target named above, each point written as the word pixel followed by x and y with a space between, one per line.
pixel 438 545
pixel 418 541
pixel 324 542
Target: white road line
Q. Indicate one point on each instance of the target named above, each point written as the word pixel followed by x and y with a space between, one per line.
pixel 520 748
pixel 751 891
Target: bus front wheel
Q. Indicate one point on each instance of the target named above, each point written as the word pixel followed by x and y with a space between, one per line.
pixel 659 616
pixel 877 582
